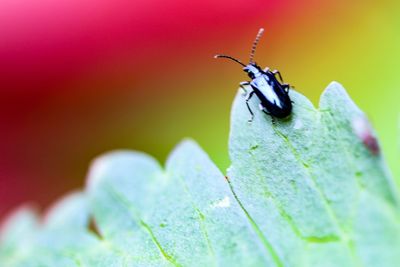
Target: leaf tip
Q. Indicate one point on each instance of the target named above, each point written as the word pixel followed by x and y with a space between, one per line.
pixel 26 214
pixel 334 93
pixel 186 147
pixel 99 166
pixel 72 206
pixel 186 143
pixel 108 165
pixel 334 87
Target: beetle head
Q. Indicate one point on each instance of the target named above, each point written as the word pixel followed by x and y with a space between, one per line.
pixel 252 70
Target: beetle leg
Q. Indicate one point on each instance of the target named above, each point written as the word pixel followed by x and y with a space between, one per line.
pixel 269 114
pixel 266 112
pixel 266 69
pixel 276 72
pixel 243 86
pixel 248 106
pixel 286 87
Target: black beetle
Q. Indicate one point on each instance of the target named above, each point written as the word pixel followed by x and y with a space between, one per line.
pixel 273 93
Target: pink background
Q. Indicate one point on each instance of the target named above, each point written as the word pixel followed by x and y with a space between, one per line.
pixel 79 78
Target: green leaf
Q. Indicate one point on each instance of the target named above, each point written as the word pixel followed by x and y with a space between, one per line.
pixel 18 227
pixel 305 191
pixel 311 182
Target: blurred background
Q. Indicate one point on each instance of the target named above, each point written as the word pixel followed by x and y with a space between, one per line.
pixel 82 77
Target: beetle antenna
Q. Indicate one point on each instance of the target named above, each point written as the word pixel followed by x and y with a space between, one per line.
pixel 231 58
pixel 253 48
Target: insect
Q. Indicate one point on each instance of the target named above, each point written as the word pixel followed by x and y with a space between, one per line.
pixel 272 93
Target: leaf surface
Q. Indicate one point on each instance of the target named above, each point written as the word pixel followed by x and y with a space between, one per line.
pixel 305 191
